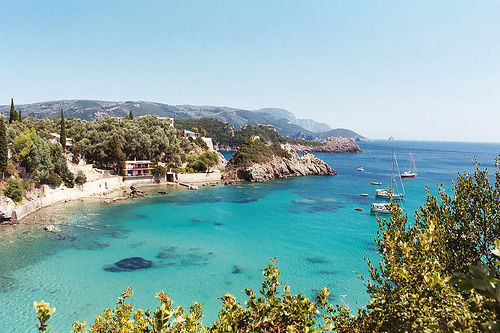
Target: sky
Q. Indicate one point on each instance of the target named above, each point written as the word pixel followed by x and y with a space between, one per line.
pixel 416 70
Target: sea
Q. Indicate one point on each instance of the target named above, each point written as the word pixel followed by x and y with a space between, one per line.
pixel 216 240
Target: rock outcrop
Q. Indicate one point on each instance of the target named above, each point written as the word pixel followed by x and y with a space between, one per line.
pixel 7 206
pixel 278 167
pixel 331 145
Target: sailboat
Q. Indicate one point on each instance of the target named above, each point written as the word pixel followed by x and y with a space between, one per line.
pixel 413 171
pixel 396 195
pixel 381 208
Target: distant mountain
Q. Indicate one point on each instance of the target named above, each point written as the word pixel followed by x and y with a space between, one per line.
pixel 308 124
pixel 284 121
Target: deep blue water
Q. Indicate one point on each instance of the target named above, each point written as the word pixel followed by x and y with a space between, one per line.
pixel 218 239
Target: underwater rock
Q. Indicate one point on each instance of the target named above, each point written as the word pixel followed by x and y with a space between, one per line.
pixel 103 244
pixel 129 264
pixel 317 260
pixel 51 228
pixel 237 269
pixel 167 254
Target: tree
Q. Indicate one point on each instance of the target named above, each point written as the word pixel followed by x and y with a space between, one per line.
pixel 131 115
pixel 62 137
pixel 4 149
pixel 14 190
pixel 13 113
pixel 19 117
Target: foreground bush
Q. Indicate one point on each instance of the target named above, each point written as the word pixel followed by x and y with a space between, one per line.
pixel 276 310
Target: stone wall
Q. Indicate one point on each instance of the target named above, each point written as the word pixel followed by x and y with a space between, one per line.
pixel 191 178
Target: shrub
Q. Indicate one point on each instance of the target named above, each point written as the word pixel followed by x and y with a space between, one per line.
pixel 257 151
pixel 14 190
pixel 53 179
pixel 80 178
pixel 10 169
pixel 275 310
pixel 200 142
pixel 159 170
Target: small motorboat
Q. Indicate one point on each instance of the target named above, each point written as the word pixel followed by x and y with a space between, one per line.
pixel 358 209
pixel 376 183
pixel 361 169
pixel 364 194
pixel 381 208
pixel 162 192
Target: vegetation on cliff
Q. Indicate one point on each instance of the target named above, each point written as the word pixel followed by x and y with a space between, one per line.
pixel 438 273
pixel 224 134
pixel 256 151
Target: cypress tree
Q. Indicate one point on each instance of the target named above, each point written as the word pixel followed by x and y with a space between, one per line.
pixel 19 117
pixel 13 113
pixel 62 139
pixel 4 155
pixel 131 115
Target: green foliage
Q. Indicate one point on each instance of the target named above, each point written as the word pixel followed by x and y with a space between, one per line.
pixel 61 165
pixel 202 162
pixel 109 141
pixel 14 190
pixel 276 310
pixel 34 154
pixel 43 313
pixel 200 142
pixel 11 170
pixel 129 116
pixel 62 137
pixel 159 170
pixel 4 148
pixel 80 178
pixel 257 151
pixel 13 113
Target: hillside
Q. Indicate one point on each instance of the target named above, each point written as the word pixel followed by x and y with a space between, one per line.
pixel 284 121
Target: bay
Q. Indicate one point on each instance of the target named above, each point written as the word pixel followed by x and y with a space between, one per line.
pixel 218 239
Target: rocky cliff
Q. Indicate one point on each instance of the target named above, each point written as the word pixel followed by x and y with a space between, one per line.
pixel 331 145
pixel 278 167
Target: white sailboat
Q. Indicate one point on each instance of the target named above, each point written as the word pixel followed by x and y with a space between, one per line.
pixel 413 171
pixel 394 191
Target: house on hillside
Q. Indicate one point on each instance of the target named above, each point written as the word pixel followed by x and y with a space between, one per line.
pixel 56 138
pixel 138 168
pixel 190 134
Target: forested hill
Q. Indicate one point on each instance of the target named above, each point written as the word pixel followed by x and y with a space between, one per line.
pixel 284 121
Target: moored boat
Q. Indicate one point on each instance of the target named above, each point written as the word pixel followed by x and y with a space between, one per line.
pixel 376 183
pixel 412 172
pixel 361 169
pixel 381 208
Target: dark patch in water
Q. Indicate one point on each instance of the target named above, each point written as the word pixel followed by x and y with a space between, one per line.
pixel 317 260
pixel 323 208
pixel 242 201
pixel 237 269
pixel 327 272
pixel 102 244
pixel 129 264
pixel 65 237
pixel 7 283
pixel 167 254
pixel 197 221
pixel 141 216
pixel 218 223
pixel 211 253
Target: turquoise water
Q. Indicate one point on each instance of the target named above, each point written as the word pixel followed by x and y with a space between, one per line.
pixel 215 240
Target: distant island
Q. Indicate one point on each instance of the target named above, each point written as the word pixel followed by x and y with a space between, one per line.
pixel 282 120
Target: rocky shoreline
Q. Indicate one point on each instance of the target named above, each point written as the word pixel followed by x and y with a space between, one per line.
pixel 278 168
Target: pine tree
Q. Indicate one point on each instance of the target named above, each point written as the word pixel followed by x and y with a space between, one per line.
pixel 63 131
pixel 13 113
pixel 131 115
pixel 4 155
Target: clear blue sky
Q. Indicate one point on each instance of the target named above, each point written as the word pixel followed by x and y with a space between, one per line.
pixel 410 69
